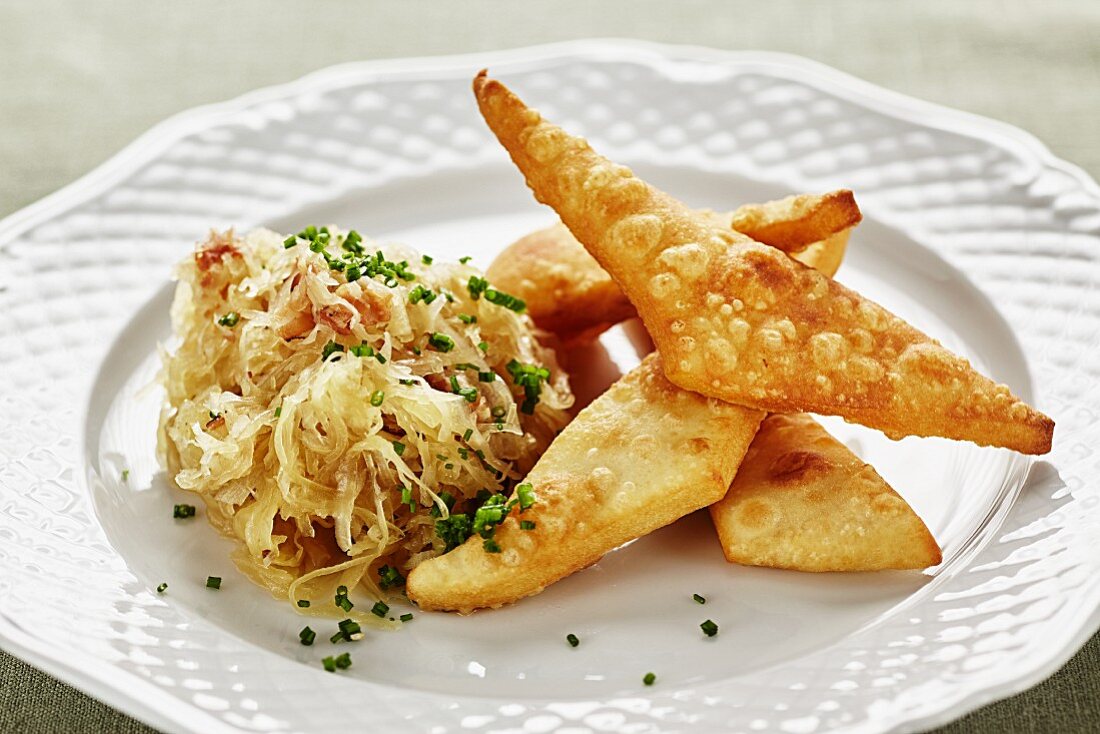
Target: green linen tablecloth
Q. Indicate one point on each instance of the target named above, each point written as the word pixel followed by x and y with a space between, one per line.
pixel 79 80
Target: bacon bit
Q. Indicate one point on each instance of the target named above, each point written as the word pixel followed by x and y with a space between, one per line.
pixel 373 308
pixel 439 382
pixel 337 318
pixel 215 423
pixel 302 322
pixel 217 247
pixel 297 327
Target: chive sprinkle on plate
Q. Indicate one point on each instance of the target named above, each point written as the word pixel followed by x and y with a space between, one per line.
pixel 649 679
pixel 572 639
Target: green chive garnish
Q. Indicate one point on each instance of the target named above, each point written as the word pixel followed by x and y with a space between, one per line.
pixel 426 259
pixel 307 636
pixel 406 616
pixel 466 436
pixel 182 512
pixel 526 525
pixel 441 342
pixel 710 629
pixel 125 474
pixel 483 346
pixel 343 661
pixel 377 397
pixel 572 639
pixel 380 608
pixel 525 493
pixel 213 582
pixel 467 318
pixel 162 587
pixel 491 546
pixel 303 603
pixel 649 679
pixel 398 448
pixel 330 349
pixel 230 319
pixel 329 663
pixel 700 599
pixel 278 411
pixel 342 600
pixel 390 577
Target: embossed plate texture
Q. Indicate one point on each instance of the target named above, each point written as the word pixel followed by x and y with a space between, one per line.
pixel 974 231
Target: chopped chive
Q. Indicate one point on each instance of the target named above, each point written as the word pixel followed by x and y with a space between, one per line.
pixel 465 259
pixel 278 411
pixel 483 346
pixel 125 474
pixel 526 525
pixel 213 582
pixel 329 663
pixel 572 639
pixel 420 293
pixel 290 241
pixel 649 679
pixel 426 259
pixel 390 577
pixel 469 393
pixel 441 342
pixel 489 376
pixel 699 598
pixel 377 397
pixel 350 630
pixel 230 319
pixel 406 616
pixel 343 661
pixel 498 411
pixel 709 628
pixel 182 512
pixel 467 318
pixel 466 436
pixel 463 453
pixel 162 587
pixel 303 603
pixel 362 350
pixel 307 636
pixel 398 448
pixel 525 494
pixel 342 599
pixel 380 357
pixel 380 608
pixel 453 530
pixel 491 546
pixel 330 349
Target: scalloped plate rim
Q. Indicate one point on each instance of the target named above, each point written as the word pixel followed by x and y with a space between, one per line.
pixel 115 686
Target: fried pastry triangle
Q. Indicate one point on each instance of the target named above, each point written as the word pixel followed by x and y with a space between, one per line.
pixel 741 321
pixel 642 455
pixel 569 294
pixel 803 501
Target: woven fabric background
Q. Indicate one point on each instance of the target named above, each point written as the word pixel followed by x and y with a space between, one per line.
pixel 79 80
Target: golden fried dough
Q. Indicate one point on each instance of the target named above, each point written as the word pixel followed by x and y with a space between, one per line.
pixel 741 321
pixel 795 223
pixel 801 500
pixel 569 294
pixel 640 456
pixel 566 290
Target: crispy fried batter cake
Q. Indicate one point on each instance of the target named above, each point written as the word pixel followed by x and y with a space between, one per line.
pixel 802 500
pixel 642 455
pixel 568 293
pixel 741 321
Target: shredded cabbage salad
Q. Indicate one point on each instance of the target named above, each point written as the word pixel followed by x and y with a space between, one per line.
pixel 335 403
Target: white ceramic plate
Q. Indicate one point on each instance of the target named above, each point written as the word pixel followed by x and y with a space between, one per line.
pixel 973 232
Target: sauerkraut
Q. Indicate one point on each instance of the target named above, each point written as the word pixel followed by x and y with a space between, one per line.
pixel 331 401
